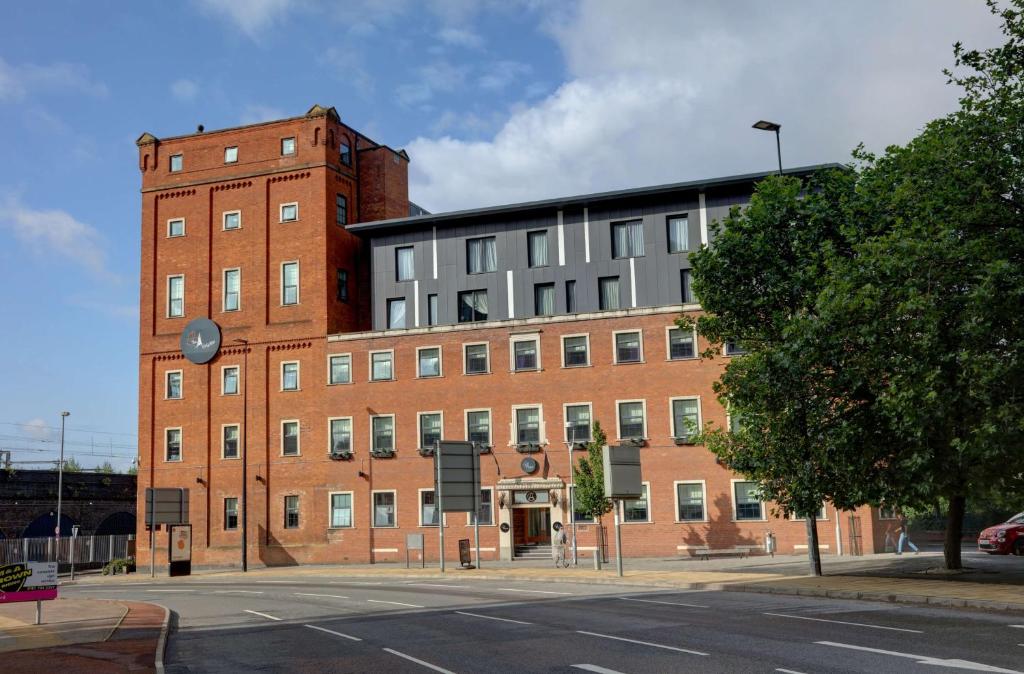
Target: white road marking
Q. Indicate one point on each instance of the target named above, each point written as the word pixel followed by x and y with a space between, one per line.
pixel 279 582
pixel 788 671
pixel 925 659
pixel 419 662
pixel 101 591
pixel 491 617
pixel 454 587
pixel 263 615
pixel 396 603
pixel 670 603
pixel 310 594
pixel 338 634
pixel 514 589
pixel 237 592
pixel 1017 626
pixel 595 668
pixel 170 590
pixel 352 582
pixel 642 643
pixel 843 622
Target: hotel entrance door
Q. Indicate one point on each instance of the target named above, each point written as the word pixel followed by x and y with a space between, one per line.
pixel 531 526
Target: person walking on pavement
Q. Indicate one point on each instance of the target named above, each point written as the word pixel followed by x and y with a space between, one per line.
pixel 558 541
pixel 901 520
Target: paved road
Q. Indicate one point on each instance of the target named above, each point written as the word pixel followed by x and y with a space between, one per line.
pixel 461 625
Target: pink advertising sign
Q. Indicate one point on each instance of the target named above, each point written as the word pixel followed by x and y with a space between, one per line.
pixel 32 581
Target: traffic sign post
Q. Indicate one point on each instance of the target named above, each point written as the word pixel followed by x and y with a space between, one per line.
pixel 457 482
pixel 74 539
pixel 163 506
pixel 622 480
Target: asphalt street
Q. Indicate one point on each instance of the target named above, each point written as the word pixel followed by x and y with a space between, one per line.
pixel 460 625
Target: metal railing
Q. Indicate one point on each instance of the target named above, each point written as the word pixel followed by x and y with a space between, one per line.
pixel 89 551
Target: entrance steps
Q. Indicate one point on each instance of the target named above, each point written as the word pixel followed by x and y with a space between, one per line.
pixel 533 552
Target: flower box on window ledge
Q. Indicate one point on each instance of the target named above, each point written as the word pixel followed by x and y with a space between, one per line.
pixel 528 447
pixel 634 442
pixel 684 440
pixel 426 451
pixel 382 453
pixel 341 454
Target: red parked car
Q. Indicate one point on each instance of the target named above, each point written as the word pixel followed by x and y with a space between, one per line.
pixel 1004 538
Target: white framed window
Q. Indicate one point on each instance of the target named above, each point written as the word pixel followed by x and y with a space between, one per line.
pixel 527 424
pixel 231 154
pixel 229 380
pixel 579 515
pixel 176 296
pixel 231 220
pixel 177 162
pixel 685 415
pixel 428 361
pixel 289 283
pixel 430 426
pixel 628 345
pixel 382 365
pixel 429 515
pixel 405 263
pixel 678 233
pixel 746 501
pixel 691 501
pixel 290 442
pixel 486 511
pixel 578 418
pixel 680 344
pixel 637 510
pixel 576 350
pixel 478 426
pixel 631 418
pixel 339 368
pixel 232 300
pixel 173 390
pixel 525 353
pixel 476 358
pixel 733 347
pixel 396 313
pixel 339 510
pixel 229 434
pixel 290 212
pixel 339 434
pixel 230 513
pixel 287 146
pixel 385 509
pixel 628 239
pixel 382 433
pixel 290 375
pixel 175 227
pixel 172 444
pixel 291 512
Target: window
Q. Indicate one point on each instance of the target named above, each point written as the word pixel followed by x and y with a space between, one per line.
pixel 173 385
pixel 734 348
pixel 405 264
pixel 231 220
pixel 481 255
pixel 580 516
pixel 528 425
pixel 432 309
pixel 430 429
pixel 341 435
pixel 291 512
pixel 340 210
pixel 577 423
pixel 628 347
pixel 819 514
pixel 229 441
pixel 608 293
pixel 544 299
pixel 486 512
pixel 478 427
pixel 428 362
pixel 628 239
pixel 678 234
pixel 524 355
pixel 345 153
pixel 690 501
pixel 229 381
pixel 686 288
pixel 290 438
pixel 748 503
pixel 290 283
pixel 476 359
pixel 537 248
pixel 341 510
pixel 287 146
pixel 290 376
pixel 230 514
pixel 342 291
pixel 886 512
pixel 381 366
pixel 685 417
pixel 575 351
pixel 636 509
pixel 681 344
pixel 631 419
pixel 289 212
pixel 175 296
pixel 172 444
pixel 176 163
pixel 396 313
pixel 428 508
pixel 230 155
pixel 383 434
pixel 472 306
pixel 735 422
pixel 339 369
pixel 570 297
pixel 384 509
pixel 176 227
pixel 232 289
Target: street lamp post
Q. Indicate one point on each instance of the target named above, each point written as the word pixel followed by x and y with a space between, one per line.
pixel 569 443
pixel 762 125
pixel 245 458
pixel 60 477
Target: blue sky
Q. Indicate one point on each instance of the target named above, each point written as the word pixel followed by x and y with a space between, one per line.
pixel 495 101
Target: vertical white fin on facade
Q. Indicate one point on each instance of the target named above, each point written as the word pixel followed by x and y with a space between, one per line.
pixel 511 296
pixel 561 241
pixel 632 282
pixel 433 244
pixel 416 304
pixel 586 233
pixel 703 219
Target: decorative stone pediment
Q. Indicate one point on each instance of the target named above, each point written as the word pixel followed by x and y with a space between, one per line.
pixel 534 483
pixel 146 139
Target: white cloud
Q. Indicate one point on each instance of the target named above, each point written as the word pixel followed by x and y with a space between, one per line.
pixel 56 233
pixel 37 429
pixel 460 37
pixel 436 77
pixel 501 74
pixel 19 81
pixel 256 113
pixel 249 16
pixel 184 90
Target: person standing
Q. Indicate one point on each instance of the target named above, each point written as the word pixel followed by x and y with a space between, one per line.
pixel 904 529
pixel 558 541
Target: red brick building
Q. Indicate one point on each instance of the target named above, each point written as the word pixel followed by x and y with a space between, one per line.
pixel 356 329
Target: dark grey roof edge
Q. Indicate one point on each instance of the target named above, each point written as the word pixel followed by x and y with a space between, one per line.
pixel 583 199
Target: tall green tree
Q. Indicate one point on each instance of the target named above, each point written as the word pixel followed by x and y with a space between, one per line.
pixel 588 478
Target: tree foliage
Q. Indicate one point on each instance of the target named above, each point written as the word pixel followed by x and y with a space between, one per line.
pixel 588 476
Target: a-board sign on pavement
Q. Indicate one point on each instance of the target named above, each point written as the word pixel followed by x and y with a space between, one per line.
pixel 166 505
pixel 459 487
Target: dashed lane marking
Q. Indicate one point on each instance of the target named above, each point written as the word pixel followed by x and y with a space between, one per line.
pixel 515 589
pixel 788 671
pixel 263 615
pixel 310 594
pixel 237 592
pixel 337 634
pixel 926 659
pixel 642 643
pixel 669 603
pixel 396 603
pixel 491 617
pixel 419 662
pixel 170 590
pixel 453 587
pixel 596 668
pixel 843 622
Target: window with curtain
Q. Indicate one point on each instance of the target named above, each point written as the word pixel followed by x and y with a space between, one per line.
pixel 537 248
pixel 577 418
pixel 289 376
pixel 231 442
pixel 525 355
pixel 476 358
pixel 430 430
pixel 748 503
pixel 405 266
pixel 678 234
pixel 396 313
pixel 482 255
pixel 290 283
pixel 173 385
pixel 341 510
pixel 428 509
pixel 472 306
pixel 635 509
pixel 528 425
pixel 681 344
pixel 341 435
pixel 686 287
pixel 290 438
pixel 384 509
pixel 380 366
pixel 627 347
pixel 429 363
pixel 608 293
pixel 479 426
pixel 691 501
pixel 341 369
pixel 232 289
pixel 173 444
pixel 631 420
pixel 575 351
pixel 383 434
pixel 628 239
pixel 544 299
pixel 685 417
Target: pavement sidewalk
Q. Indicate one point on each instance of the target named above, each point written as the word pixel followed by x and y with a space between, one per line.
pixel 83 635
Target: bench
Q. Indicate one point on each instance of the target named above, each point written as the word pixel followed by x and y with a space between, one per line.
pixel 705 552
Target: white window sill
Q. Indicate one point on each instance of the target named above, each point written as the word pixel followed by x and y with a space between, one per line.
pixel 339 383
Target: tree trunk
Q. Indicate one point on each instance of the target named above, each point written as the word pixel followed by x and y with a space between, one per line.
pixel 813 554
pixel 954 531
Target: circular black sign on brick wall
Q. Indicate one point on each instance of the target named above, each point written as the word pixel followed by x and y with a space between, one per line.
pixel 529 465
pixel 200 340
pixel 504 527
